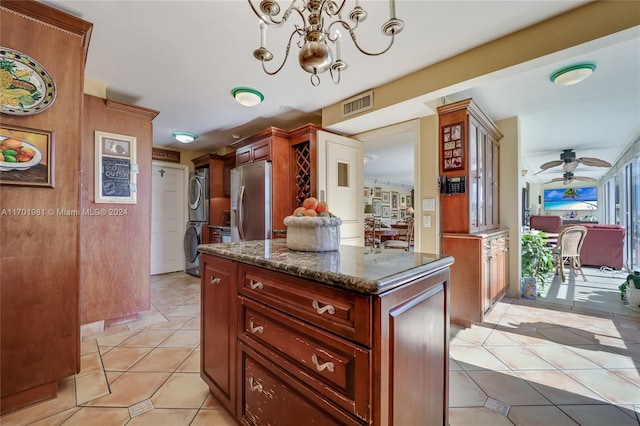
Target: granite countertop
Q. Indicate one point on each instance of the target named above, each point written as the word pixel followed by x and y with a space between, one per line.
pixel 362 269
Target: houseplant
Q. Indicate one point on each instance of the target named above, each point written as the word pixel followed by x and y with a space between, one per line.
pixel 536 257
pixel 630 290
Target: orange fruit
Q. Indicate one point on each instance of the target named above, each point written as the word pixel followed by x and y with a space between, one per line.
pixel 310 212
pixel 322 207
pixel 310 203
pixel 299 211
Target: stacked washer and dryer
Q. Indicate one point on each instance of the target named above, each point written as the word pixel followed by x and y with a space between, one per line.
pixel 198 218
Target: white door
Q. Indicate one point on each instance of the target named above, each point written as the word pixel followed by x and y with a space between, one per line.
pixel 168 204
pixel 340 183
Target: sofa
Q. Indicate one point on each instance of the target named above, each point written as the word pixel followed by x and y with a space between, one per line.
pixel 545 223
pixel 603 245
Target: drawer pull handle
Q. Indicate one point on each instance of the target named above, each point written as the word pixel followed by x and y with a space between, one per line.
pixel 321 367
pixel 254 330
pixel 255 285
pixel 326 308
pixel 215 280
pixel 254 385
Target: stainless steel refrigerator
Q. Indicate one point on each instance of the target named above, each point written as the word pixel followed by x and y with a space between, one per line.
pixel 251 201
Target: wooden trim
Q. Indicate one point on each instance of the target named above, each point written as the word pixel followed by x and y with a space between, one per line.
pixel 60 20
pixel 132 109
pixel 160 154
pixel 266 133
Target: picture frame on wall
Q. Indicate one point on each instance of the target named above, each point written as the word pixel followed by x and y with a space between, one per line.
pixel 409 201
pixel 377 192
pixel 394 200
pixel 377 207
pixel 386 195
pixel 385 211
pixel 115 168
pixel 452 151
pixel 27 156
pixel 403 201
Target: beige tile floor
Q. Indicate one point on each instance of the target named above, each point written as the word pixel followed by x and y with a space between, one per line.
pixel 530 363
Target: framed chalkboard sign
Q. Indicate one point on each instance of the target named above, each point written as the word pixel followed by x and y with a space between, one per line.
pixel 116 168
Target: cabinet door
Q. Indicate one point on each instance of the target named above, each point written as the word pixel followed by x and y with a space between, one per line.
pixel 485 277
pixel 497 260
pixel 261 150
pixel 243 155
pixel 414 326
pixel 474 175
pixel 218 328
pixel 495 201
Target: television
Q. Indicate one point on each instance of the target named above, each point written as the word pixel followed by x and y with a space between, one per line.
pixel 571 198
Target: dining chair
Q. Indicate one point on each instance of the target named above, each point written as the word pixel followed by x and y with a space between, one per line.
pixel 403 241
pixel 372 228
pixel 567 250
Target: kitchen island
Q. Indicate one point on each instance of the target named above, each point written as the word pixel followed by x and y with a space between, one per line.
pixel 355 336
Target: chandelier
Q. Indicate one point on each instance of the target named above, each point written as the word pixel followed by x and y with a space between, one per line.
pixel 321 24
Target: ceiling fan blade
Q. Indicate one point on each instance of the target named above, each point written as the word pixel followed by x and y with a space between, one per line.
pixel 595 162
pixel 550 164
pixel 570 166
pixel 567 181
pixel 560 179
pixel 585 178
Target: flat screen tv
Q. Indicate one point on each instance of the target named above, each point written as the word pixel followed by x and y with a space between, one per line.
pixel 571 199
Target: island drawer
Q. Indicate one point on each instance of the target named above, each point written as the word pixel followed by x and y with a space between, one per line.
pixel 263 383
pixel 344 313
pixel 326 363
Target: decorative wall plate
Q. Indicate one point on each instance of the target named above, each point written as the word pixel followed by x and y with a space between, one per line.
pixel 25 86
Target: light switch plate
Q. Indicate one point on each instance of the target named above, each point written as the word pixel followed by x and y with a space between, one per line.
pixel 428 204
pixel 426 221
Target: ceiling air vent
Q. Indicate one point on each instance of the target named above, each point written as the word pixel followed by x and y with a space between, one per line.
pixel 357 104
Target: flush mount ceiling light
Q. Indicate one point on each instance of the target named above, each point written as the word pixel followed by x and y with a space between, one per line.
pixel 247 96
pixel 573 74
pixel 321 23
pixel 185 137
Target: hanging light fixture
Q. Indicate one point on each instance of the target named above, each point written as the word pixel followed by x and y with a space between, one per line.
pixel 321 24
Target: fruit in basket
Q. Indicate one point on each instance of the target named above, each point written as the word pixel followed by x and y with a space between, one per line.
pixel 311 207
pixel 310 203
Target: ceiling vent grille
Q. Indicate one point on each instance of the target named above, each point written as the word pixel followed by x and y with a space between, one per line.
pixel 357 104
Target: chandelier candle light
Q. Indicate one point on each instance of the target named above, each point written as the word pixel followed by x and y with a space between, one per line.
pixel 319 18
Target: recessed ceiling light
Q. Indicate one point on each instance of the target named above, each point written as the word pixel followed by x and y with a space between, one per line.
pixel 573 74
pixel 247 96
pixel 185 137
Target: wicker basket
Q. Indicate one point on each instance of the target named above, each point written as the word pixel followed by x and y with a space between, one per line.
pixel 633 296
pixel 313 233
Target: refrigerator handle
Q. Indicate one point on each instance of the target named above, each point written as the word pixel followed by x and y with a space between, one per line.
pixel 240 213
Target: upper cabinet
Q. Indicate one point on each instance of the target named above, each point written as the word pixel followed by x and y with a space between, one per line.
pixel 469 152
pixel 270 144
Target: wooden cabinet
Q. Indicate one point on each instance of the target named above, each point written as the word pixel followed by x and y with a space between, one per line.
pixel 229 163
pixel 481 278
pixel 325 354
pixel 218 323
pixel 219 176
pixel 477 209
pixel 303 163
pixel 272 144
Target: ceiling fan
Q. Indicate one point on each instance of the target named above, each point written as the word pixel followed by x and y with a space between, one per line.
pixel 568 177
pixel 570 162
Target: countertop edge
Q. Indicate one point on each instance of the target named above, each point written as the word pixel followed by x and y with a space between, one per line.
pixel 348 282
